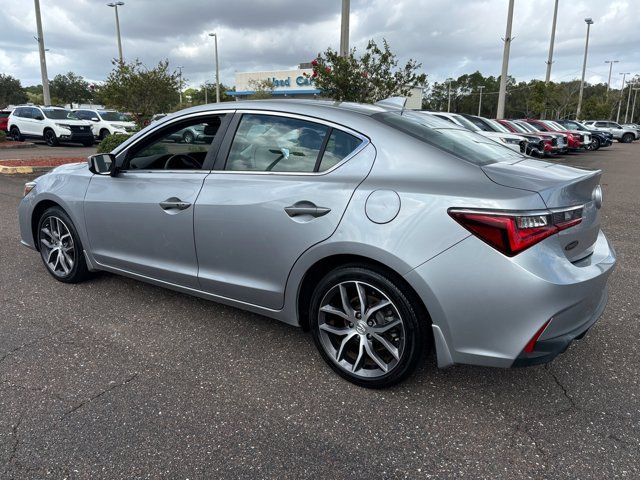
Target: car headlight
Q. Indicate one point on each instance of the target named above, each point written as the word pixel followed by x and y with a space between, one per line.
pixel 64 125
pixel 28 187
pixel 512 141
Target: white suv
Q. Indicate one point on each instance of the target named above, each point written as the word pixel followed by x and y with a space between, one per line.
pixel 106 122
pixel 619 132
pixel 51 124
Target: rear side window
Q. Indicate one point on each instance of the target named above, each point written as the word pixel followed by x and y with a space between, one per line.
pixel 271 143
pixel 462 143
pixel 4 114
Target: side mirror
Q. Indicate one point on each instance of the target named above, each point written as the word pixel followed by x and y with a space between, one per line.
pixel 38 117
pixel 95 119
pixel 102 163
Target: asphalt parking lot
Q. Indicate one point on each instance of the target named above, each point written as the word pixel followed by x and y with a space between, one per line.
pixel 42 150
pixel 118 379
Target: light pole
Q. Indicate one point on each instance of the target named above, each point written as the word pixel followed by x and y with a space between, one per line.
pixel 624 75
pixel 116 5
pixel 449 95
pixel 180 67
pixel 589 22
pixel 481 87
pixel 344 29
pixel 46 96
pixel 502 95
pixel 553 38
pixel 610 62
pixel 626 112
pixel 215 38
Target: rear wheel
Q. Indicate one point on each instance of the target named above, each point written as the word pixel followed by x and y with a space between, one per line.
pixel 50 138
pixel 60 247
pixel 188 137
pixel 365 326
pixel 103 134
pixel 628 138
pixel 16 136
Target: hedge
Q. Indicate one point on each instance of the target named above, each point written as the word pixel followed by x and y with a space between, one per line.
pixel 111 141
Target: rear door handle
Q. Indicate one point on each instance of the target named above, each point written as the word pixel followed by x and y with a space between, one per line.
pixel 306 208
pixel 174 203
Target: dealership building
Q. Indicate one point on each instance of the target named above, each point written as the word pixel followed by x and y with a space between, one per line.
pixel 295 84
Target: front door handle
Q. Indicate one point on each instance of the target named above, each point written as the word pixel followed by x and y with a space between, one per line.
pixel 306 208
pixel 174 203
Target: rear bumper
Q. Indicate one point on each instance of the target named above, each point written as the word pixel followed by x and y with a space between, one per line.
pixel 488 307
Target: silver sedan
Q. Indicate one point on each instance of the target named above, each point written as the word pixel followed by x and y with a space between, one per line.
pixel 384 232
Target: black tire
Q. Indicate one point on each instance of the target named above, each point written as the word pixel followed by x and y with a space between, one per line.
pixel 188 137
pixel 628 138
pixel 78 271
pixel 103 134
pixel 595 143
pixel 50 138
pixel 414 326
pixel 16 135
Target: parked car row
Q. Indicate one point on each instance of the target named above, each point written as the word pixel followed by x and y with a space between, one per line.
pixel 57 125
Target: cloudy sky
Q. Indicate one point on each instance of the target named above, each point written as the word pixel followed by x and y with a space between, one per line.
pixel 449 37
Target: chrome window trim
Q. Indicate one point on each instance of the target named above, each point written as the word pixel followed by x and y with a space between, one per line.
pixel 364 143
pixel 516 213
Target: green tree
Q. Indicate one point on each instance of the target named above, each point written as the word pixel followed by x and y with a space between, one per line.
pixel 69 88
pixel 196 96
pixel 372 77
pixel 11 91
pixel 134 88
pixel 262 89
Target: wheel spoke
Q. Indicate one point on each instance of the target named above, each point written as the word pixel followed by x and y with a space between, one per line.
pixel 48 233
pixel 51 252
pixel 46 243
pixel 387 344
pixel 376 307
pixel 335 330
pixel 344 296
pixel 343 344
pixel 55 265
pixel 387 326
pixel 355 365
pixel 374 356
pixel 362 296
pixel 334 311
pixel 63 263
pixel 67 258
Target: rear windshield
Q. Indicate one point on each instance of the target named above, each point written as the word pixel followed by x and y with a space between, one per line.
pixel 467 145
pixel 114 116
pixel 59 114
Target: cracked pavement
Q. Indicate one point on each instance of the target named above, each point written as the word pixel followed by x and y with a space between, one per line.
pixel 118 379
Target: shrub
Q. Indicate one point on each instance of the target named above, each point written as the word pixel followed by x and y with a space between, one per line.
pixel 111 141
pixel 3 136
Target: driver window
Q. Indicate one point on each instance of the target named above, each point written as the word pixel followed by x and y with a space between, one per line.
pixel 266 143
pixel 180 146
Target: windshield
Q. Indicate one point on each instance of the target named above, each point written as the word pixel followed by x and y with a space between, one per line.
pixel 467 124
pixel 462 143
pixel 497 126
pixel 114 116
pixel 575 125
pixel 555 126
pixel 59 114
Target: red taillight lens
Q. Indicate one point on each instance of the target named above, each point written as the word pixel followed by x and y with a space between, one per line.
pixel 514 233
pixel 528 348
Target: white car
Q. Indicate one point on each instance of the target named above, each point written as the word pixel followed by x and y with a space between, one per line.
pixel 51 124
pixel 107 122
pixel 514 142
pixel 620 133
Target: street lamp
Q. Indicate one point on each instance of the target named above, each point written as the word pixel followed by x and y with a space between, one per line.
pixel 46 97
pixel 449 80
pixel 116 5
pixel 215 38
pixel 180 67
pixel 633 82
pixel 624 76
pixel 481 87
pixel 633 109
pixel 610 62
pixel 589 22
pixel 502 94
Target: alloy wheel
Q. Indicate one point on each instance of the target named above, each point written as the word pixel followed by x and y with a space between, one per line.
pixel 361 329
pixel 49 138
pixel 57 246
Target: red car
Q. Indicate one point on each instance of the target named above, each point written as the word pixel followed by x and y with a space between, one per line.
pixel 550 141
pixel 4 118
pixel 575 142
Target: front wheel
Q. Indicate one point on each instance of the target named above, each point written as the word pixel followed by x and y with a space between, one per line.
pixel 188 137
pixel 60 247
pixel 366 327
pixel 628 138
pixel 50 138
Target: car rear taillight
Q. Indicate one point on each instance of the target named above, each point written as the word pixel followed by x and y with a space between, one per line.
pixel 514 232
pixel 528 348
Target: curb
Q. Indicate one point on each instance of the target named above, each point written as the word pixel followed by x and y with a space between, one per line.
pixel 17 145
pixel 4 170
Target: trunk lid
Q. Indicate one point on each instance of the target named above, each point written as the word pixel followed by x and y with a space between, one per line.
pixel 560 187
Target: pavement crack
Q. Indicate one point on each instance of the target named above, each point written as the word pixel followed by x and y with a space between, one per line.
pixel 14 448
pixel 562 387
pixel 100 394
pixel 43 390
pixel 33 342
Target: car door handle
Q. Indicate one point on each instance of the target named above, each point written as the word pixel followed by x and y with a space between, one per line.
pixel 174 203
pixel 306 208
